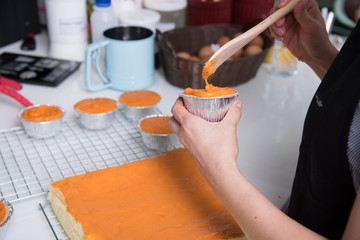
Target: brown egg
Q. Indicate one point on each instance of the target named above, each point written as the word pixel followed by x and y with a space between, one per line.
pixel 237 54
pixel 237 34
pixel 205 52
pixel 258 40
pixel 183 54
pixel 223 40
pixel 195 58
pixel 252 50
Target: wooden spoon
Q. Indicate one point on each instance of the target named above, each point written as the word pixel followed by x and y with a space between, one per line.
pixel 231 47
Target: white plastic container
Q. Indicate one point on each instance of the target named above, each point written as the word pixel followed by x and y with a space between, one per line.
pixel 101 19
pixel 67 28
pixel 172 12
pixel 141 17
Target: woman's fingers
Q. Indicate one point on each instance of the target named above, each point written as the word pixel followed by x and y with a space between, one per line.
pixel 234 113
pixel 174 125
pixel 179 111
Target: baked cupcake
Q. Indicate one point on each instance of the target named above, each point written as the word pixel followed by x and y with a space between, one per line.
pixel 211 103
pixel 6 211
pixel 139 103
pixel 156 133
pixel 42 121
pixel 96 113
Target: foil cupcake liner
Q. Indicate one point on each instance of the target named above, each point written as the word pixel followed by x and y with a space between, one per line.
pixel 212 109
pixel 42 129
pixel 4 227
pixel 136 113
pixel 96 121
pixel 159 142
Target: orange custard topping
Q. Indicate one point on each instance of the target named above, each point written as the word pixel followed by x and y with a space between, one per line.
pixel 139 98
pixel 209 70
pixel 156 125
pixel 163 197
pixel 210 90
pixel 42 113
pixel 4 211
pixel 96 105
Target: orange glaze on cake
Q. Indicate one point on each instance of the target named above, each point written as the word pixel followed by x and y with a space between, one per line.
pixel 42 113
pixel 96 105
pixel 156 124
pixel 210 90
pixel 164 197
pixel 3 213
pixel 139 98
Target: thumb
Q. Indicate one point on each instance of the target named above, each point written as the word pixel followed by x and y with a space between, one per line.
pixel 234 113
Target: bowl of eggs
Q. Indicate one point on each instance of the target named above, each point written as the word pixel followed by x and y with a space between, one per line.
pixel 184 52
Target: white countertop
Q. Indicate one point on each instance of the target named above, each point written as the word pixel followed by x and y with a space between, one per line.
pixel 269 132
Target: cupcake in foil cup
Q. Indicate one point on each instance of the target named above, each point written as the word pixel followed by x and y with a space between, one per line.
pixel 96 113
pixel 6 211
pixel 138 104
pixel 96 121
pixel 155 132
pixel 212 109
pixel 42 121
pixel 136 113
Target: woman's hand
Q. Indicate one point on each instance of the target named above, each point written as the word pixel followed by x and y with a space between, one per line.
pixel 215 149
pixel 303 31
pixel 213 145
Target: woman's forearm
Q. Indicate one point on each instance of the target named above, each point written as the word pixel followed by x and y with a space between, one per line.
pixel 255 214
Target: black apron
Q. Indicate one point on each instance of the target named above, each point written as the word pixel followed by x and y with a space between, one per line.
pixel 323 190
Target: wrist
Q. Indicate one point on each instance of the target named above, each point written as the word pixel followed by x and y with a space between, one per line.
pixel 226 178
pixel 321 64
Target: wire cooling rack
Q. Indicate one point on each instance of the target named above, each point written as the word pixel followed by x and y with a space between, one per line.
pixel 28 165
pixel 52 220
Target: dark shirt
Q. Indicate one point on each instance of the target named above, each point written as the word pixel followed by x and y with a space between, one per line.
pixel 323 191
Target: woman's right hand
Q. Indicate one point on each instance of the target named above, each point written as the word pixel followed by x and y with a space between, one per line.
pixel 303 32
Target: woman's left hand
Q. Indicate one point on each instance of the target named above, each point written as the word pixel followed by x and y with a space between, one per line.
pixel 213 145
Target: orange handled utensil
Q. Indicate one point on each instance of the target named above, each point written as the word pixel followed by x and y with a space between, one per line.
pixel 7 86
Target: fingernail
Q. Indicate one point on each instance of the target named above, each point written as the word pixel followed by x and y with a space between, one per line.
pixel 239 104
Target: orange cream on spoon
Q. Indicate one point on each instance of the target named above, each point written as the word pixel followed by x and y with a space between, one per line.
pixel 210 90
